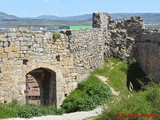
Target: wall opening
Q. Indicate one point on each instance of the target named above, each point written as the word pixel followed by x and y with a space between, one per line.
pixel 25 61
pixel 58 57
pixel 41 87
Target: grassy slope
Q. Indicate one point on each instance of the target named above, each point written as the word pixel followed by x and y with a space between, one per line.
pixel 142 102
pixel 146 105
pixel 116 72
pixel 89 94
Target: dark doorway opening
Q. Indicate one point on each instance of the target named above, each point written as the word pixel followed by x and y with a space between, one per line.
pixel 41 87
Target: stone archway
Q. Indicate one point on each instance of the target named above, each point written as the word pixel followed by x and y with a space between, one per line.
pixel 45 84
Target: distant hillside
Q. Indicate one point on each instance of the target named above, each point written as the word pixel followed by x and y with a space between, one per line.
pixel 147 17
pixel 152 20
pixel 86 17
pixel 4 16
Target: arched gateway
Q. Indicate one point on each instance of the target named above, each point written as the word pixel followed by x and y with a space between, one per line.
pixel 41 86
pixel 44 84
pixel 58 66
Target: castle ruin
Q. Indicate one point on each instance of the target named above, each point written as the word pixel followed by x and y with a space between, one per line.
pixel 58 66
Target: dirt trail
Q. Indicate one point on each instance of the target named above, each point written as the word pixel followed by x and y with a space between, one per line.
pixel 76 115
pixel 105 80
pixel 70 116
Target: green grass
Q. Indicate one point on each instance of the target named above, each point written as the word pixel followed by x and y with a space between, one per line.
pixel 121 73
pixel 116 72
pixel 25 111
pixel 6 111
pixel 92 92
pixel 136 76
pixel 89 94
pixel 144 102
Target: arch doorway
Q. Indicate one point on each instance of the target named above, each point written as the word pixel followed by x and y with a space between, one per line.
pixel 41 87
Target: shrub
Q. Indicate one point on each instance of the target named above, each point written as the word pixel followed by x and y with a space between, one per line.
pixel 56 36
pixel 13 109
pixel 89 94
pixel 28 111
pixel 144 102
pixel 9 110
pixel 50 110
pixel 6 111
pixel 13 103
pixel 153 97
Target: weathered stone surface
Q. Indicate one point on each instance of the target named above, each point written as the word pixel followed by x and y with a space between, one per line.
pixel 8 49
pixel 75 55
pixel 100 20
pixel 1 50
pixel 15 48
pixel 147 52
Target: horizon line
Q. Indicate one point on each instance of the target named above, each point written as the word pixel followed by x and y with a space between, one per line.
pixel 82 14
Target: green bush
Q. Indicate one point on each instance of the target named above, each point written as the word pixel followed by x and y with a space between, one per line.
pixel 89 94
pixel 9 110
pixel 13 109
pixel 153 97
pixel 6 111
pixel 50 110
pixel 13 103
pixel 56 36
pixel 28 111
pixel 143 102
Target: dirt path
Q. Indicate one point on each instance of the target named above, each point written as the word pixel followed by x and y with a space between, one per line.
pixel 69 116
pixel 105 80
pixel 76 115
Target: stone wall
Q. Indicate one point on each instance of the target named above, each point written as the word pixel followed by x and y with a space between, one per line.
pixel 119 44
pixel 129 39
pixel 148 53
pixel 100 20
pixel 22 52
pixel 87 47
pixel 67 61
pixel 119 35
pixel 71 58
pixel 145 46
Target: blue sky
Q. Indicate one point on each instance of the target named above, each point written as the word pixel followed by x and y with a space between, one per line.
pixel 33 8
